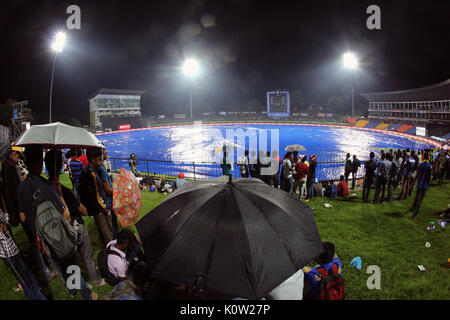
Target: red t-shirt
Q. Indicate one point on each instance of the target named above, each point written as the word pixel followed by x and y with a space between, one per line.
pixel 83 160
pixel 302 170
pixel 342 188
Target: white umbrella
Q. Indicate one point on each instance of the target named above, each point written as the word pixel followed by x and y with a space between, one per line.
pixel 295 147
pixel 58 135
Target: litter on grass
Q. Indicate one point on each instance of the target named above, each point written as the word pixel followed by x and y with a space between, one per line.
pixel 421 267
pixel 427 244
pixel 431 228
pixel 356 263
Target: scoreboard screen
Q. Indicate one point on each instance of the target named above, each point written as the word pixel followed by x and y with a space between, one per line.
pixel 278 104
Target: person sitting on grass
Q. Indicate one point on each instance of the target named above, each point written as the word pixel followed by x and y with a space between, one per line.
pixel 329 263
pixel 342 188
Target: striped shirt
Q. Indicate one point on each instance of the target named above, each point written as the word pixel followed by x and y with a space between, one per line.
pixel 8 247
pixel 75 169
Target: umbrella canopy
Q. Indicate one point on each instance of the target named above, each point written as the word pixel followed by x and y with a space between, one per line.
pixel 58 135
pixel 127 197
pixel 241 238
pixel 295 147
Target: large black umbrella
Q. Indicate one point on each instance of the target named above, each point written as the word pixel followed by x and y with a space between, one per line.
pixel 240 239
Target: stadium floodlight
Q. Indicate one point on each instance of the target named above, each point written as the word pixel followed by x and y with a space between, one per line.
pixel 351 62
pixel 190 68
pixel 57 46
pixel 58 42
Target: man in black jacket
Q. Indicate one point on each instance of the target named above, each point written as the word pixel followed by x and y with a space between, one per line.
pixel 370 167
pixel 355 166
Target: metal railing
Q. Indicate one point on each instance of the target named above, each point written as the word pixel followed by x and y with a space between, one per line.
pixel 325 170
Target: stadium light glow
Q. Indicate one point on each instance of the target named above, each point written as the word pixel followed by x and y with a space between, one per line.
pixel 58 42
pixel 190 67
pixel 350 60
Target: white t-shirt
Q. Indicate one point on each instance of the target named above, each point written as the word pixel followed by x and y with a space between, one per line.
pixel 287 165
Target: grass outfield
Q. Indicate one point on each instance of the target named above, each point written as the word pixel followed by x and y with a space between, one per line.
pixel 381 234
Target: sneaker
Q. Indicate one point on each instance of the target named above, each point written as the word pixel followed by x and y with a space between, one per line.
pixel 94 295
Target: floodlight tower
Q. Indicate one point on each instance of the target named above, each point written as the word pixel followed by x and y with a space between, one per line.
pixel 351 62
pixel 190 68
pixel 57 46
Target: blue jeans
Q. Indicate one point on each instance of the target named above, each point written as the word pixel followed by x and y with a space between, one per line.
pixel 29 284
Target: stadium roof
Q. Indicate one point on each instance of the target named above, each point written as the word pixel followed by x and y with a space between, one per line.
pixel 440 91
pixel 118 92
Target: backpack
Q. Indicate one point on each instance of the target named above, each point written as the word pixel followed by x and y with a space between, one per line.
pixel 332 286
pixel 56 234
pixel 125 290
pixel 102 261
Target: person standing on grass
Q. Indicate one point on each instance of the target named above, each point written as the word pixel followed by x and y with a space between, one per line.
pixel 370 167
pixel 226 164
pixel 311 177
pixel 9 252
pixel 107 185
pixel 34 162
pixel 287 181
pixel 243 165
pixel 75 169
pixel 300 176
pixel 92 195
pixel 408 175
pixel 348 166
pixel 423 177
pixel 53 159
pixel 276 160
pixel 355 166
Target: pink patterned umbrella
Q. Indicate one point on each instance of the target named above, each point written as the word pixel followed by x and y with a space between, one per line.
pixel 127 198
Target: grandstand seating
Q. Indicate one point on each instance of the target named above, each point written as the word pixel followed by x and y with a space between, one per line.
pixel 411 130
pixel 351 121
pixel 394 126
pixel 404 128
pixel 383 126
pixel 371 124
pixel 361 123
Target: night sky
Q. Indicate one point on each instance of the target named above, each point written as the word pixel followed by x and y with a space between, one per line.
pixel 245 49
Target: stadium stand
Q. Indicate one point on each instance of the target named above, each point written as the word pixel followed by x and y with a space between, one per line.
pixel 411 130
pixel 404 128
pixel 394 126
pixel 361 123
pixel 371 124
pixel 351 121
pixel 383 126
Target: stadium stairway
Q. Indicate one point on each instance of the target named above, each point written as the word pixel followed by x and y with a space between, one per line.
pixel 404 128
pixel 394 126
pixel 371 125
pixel 351 121
pixel 361 123
pixel 383 126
